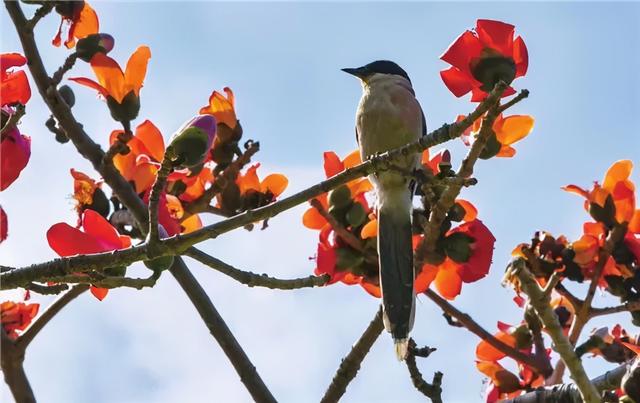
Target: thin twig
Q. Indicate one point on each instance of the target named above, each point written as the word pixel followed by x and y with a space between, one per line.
pixel 68 64
pixel 40 13
pixel 351 363
pixel 522 95
pixel 154 198
pixel 431 390
pixel 562 345
pixel 39 323
pixel 255 280
pixel 626 307
pixel 230 173
pixel 542 367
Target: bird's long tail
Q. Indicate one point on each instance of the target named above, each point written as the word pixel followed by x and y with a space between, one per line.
pixel 396 266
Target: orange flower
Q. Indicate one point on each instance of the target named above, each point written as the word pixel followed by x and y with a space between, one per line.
pixel 222 108
pixel 120 89
pixel 333 165
pixel 508 130
pixel 504 383
pixel 273 184
pixel 16 316
pixel 79 19
pixel 616 187
pixel 142 162
pixel 433 163
pixel 83 187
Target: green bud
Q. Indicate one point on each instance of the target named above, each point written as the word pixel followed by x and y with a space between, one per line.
pixel 493 67
pixel 347 258
pixel 340 197
pixel 125 111
pixel 456 213
pixel 356 215
pixel 458 247
pixel 189 146
pixel 88 46
pixel 523 337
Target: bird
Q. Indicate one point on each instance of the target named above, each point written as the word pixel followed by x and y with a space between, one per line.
pixel 389 116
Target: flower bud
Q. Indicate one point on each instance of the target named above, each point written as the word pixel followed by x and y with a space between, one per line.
pixel 189 146
pixel 340 197
pixel 492 67
pixel 125 111
pixel 67 95
pixel 356 215
pixel 87 47
pixel 458 247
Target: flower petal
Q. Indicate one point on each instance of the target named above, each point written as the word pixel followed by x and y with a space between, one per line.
pixel 99 293
pixel 466 47
pixel 332 164
pixel 312 219
pixel 15 88
pixel 109 74
pixel 514 128
pixel 151 141
pixel 447 281
pixel 369 230
pixel 66 240
pixel 496 35
pixel 91 84
pixel 618 171
pixel 470 211
pixel 15 151
pixel 97 226
pixel 352 160
pixel 520 57
pixel 136 70
pixel 275 183
pixel 456 81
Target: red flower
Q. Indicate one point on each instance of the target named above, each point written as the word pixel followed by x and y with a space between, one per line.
pixel 97 235
pixel 15 150
pixel 78 18
pixel 16 316
pixel 450 274
pixel 4 226
pixel 481 58
pixel 15 85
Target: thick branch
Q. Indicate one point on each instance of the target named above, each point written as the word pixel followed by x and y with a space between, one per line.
pixel 569 393
pixel 11 361
pixel 541 366
pixel 562 345
pixel 351 363
pixel 221 332
pixel 256 280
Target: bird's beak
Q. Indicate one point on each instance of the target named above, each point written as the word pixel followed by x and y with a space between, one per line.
pixel 359 72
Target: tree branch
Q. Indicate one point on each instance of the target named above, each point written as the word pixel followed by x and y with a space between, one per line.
pixel 569 393
pixel 52 310
pixel 11 361
pixel 431 390
pixel 543 367
pixel 221 332
pixel 351 363
pixel 127 195
pixel 562 345
pixel 255 280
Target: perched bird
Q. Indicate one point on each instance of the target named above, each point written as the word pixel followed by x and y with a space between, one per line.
pixel 388 117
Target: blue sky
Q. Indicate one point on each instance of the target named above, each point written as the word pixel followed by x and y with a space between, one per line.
pixel 283 62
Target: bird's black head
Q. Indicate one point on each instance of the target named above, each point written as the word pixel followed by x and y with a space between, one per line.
pixel 379 66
